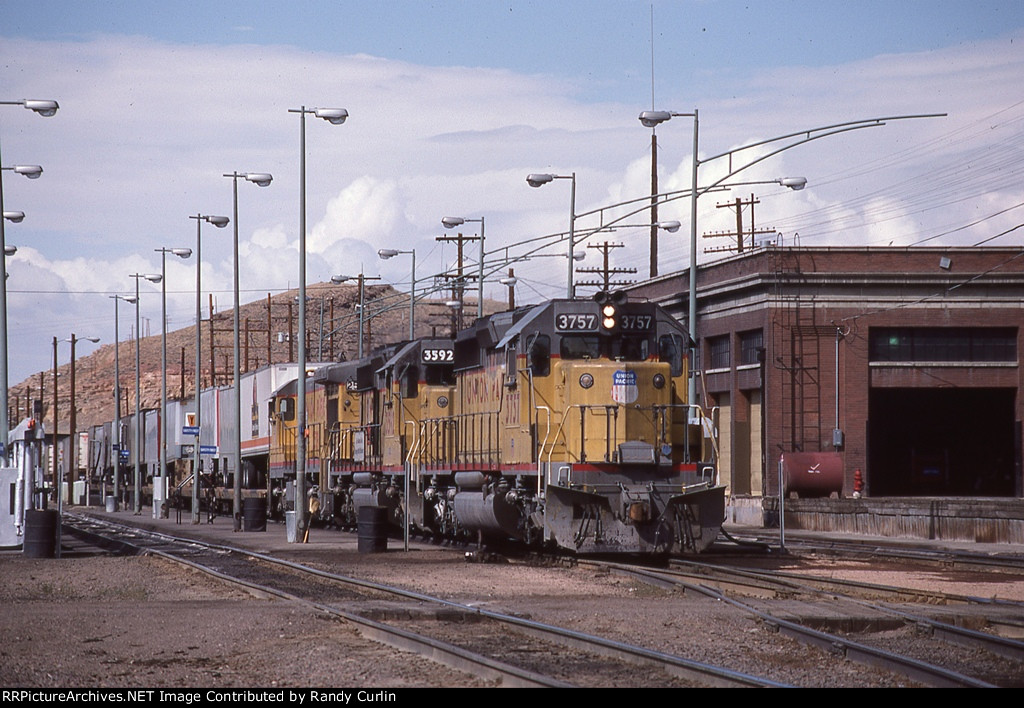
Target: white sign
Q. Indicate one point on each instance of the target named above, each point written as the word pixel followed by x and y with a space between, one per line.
pixel 359 446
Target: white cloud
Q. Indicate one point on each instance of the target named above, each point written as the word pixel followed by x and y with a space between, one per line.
pixel 147 129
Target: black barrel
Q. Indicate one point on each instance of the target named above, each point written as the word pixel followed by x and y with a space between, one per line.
pixel 252 478
pixel 373 529
pixel 40 533
pixel 254 514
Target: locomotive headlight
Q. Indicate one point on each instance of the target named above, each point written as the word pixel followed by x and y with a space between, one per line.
pixel 586 380
pixel 608 316
pixel 658 381
pixel 442 401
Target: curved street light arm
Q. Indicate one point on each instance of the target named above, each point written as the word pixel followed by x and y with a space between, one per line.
pixel 844 127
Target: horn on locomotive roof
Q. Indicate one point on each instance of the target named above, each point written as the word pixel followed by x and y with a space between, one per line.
pixel 616 298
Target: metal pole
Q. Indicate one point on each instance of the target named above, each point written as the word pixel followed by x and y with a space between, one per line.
pixel 571 291
pixel 236 406
pixel 72 418
pixel 46 109
pixel 138 408
pixel 480 275
pixel 300 397
pixel 654 204
pixel 116 432
pixel 412 299
pixel 162 472
pixel 335 116
pixel 691 323
pixel 162 443
pixel 782 512
pixel 5 426
pixel 199 363
pixel 362 306
pixel 53 460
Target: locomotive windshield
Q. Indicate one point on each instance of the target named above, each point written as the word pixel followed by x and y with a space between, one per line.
pixel 670 350
pixel 440 375
pixel 594 347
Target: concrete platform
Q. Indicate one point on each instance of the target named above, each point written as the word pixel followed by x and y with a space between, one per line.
pixel 950 519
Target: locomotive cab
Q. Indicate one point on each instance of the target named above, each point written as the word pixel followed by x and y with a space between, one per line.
pixel 417 429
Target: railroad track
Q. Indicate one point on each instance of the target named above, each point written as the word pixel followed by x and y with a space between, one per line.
pixel 874 549
pixel 498 647
pixel 765 591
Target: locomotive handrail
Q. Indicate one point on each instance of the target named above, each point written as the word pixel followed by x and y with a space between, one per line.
pixel 444 436
pixel 547 432
pixel 185 481
pixel 415 446
pixel 565 415
pixel 470 422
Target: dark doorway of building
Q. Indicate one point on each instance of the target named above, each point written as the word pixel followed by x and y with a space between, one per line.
pixel 941 442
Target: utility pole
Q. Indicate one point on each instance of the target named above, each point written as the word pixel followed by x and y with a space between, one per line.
pixel 654 205
pixel 739 234
pixel 605 271
pixel 459 290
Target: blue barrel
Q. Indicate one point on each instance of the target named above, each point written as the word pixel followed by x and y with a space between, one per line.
pixel 40 539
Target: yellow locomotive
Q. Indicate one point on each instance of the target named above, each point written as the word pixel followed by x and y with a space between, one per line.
pixel 564 424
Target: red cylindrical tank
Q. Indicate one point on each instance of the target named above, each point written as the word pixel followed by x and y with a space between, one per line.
pixel 813 474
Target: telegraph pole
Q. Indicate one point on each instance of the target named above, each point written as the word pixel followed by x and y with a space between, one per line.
pixel 739 234
pixel 606 271
pixel 460 281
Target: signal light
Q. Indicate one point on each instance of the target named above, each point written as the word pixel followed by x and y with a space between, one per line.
pixel 608 320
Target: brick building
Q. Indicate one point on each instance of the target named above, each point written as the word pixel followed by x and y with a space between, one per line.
pixel 900 363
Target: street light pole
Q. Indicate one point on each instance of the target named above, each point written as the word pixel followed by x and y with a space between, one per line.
pixel 31 172
pixel 538 179
pixel 220 222
pixel 652 118
pixel 452 221
pixel 386 253
pixel 335 116
pixel 338 280
pixel 73 422
pixel 261 179
pixel 153 278
pixel 116 432
pixel 45 109
pixel 164 475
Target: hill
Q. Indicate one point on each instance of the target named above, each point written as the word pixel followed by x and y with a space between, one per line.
pixel 332 324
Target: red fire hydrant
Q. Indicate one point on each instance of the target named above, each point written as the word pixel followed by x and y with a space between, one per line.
pixel 858 483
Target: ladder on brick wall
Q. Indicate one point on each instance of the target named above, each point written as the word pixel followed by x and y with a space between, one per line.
pixel 797 345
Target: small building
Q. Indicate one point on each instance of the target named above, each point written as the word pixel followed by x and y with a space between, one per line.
pixel 897 369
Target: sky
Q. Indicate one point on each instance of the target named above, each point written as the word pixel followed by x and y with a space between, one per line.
pixel 452 103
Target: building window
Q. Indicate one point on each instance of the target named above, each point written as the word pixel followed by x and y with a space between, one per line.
pixel 750 344
pixel 718 352
pixel 943 344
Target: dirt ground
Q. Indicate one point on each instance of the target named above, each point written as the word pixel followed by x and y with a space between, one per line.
pixel 141 622
pixel 137 622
